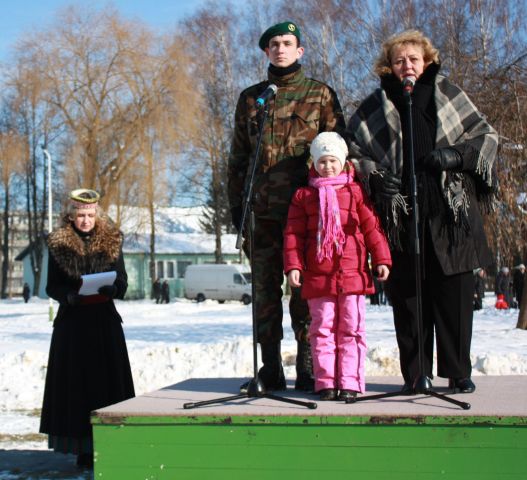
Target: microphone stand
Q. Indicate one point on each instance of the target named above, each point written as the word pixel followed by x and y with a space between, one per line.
pixel 255 387
pixel 422 384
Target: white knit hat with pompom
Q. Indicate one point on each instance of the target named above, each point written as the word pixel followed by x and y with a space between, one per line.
pixel 329 143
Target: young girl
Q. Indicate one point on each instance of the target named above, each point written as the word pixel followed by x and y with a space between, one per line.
pixel 330 229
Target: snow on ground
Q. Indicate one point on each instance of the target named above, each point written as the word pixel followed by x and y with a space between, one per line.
pixel 184 339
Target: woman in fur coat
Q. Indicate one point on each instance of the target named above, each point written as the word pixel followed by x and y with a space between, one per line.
pixel 88 365
pixel 454 150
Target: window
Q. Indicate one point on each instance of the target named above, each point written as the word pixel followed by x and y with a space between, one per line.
pixel 170 269
pixel 181 267
pixel 237 279
pixel 160 269
pixel 167 269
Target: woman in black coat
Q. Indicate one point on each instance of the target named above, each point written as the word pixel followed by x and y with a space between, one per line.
pixel 454 150
pixel 88 365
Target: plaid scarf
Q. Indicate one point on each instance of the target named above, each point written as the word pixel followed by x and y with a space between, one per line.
pixel 330 235
pixel 376 144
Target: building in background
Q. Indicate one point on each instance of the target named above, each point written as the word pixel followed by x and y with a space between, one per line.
pixel 18 241
pixel 180 241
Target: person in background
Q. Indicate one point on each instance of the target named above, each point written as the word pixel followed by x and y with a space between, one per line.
pixel 503 287
pixel 165 292
pixel 479 288
pixel 454 151
pixel 331 227
pixel 88 365
pixel 26 292
pixel 301 108
pixel 518 278
pixel 156 290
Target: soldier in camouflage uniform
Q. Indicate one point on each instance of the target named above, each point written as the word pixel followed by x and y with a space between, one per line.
pixel 301 109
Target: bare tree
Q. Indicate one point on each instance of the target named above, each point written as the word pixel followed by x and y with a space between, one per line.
pixel 82 59
pixel 13 149
pixel 33 119
pixel 161 101
pixel 215 80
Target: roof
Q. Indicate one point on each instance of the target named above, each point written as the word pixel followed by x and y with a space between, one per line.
pixel 177 231
pixel 179 243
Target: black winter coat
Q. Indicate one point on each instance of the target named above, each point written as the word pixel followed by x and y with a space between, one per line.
pixel 88 365
pixel 442 116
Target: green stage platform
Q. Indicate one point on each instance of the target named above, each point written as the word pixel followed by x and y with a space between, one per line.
pixel 152 437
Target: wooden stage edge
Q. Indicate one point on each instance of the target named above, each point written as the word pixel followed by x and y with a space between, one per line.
pixel 403 437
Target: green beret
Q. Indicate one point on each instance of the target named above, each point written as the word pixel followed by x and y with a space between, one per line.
pixel 283 28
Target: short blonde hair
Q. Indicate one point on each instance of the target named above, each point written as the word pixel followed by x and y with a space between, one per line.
pixel 383 64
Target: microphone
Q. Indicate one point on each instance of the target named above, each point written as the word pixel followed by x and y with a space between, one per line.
pixel 408 85
pixel 268 93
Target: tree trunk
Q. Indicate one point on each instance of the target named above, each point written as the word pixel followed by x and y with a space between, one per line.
pixel 35 219
pixel 522 315
pixel 152 242
pixel 218 252
pixel 151 210
pixel 5 247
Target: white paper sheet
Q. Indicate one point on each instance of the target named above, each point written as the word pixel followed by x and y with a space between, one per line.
pixel 91 283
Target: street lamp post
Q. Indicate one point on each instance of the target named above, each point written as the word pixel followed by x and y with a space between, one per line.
pixel 50 214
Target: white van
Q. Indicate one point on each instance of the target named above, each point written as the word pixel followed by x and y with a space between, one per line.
pixel 218 282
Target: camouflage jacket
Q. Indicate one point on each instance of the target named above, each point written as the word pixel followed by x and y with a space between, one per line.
pixel 301 109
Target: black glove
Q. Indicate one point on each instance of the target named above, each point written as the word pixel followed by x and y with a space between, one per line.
pixel 443 159
pixel 108 290
pixel 384 184
pixel 73 298
pixel 236 216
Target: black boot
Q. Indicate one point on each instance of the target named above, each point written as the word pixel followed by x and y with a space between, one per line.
pixel 328 394
pixel 461 385
pixel 272 372
pixel 271 375
pixel 304 368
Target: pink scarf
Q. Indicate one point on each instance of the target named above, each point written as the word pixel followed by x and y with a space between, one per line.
pixel 329 232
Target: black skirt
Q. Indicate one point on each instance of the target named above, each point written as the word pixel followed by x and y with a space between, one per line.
pixel 88 368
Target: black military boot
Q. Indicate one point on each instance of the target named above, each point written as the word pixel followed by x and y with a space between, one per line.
pixel 304 368
pixel 272 372
pixel 271 375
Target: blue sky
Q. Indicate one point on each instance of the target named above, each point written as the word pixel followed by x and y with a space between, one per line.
pixel 18 16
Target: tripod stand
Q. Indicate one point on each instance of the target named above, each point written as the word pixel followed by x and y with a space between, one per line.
pixel 255 388
pixel 422 384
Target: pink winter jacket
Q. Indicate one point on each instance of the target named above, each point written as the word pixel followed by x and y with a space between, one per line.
pixel 346 274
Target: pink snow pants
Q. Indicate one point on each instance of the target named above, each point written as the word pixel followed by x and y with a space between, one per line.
pixel 338 342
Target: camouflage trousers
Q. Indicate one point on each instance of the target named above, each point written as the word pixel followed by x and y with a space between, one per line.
pixel 268 277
